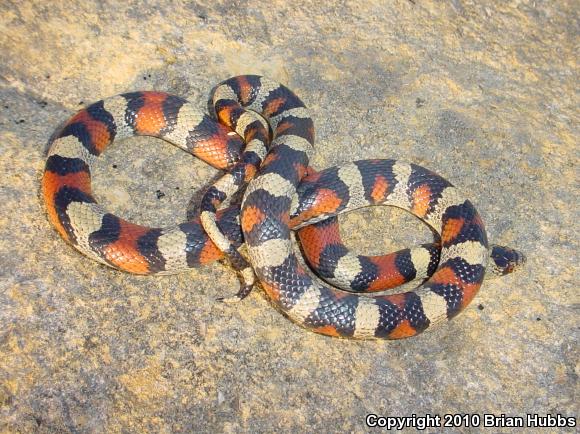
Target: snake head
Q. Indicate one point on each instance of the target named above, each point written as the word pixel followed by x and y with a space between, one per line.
pixel 506 260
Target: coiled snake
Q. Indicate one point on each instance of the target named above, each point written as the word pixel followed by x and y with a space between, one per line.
pixel 282 194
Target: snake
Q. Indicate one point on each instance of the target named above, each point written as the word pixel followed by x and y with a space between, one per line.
pixel 262 135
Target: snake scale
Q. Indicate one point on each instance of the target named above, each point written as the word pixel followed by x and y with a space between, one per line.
pixel 262 135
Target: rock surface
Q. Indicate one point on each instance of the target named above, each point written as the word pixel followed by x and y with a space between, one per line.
pixel 483 92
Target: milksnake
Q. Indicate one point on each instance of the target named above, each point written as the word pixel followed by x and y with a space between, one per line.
pixel 283 194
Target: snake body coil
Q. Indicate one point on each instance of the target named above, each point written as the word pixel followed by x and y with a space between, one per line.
pixel 285 195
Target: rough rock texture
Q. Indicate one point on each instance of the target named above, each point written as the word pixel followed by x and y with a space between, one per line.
pixel 483 92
